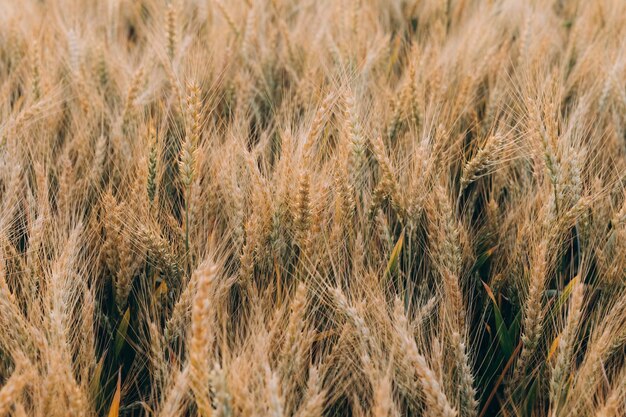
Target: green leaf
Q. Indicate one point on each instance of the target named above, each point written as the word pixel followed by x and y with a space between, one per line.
pixel 567 291
pixel 392 264
pixel 504 339
pixel 514 328
pixel 94 384
pixel 553 346
pixel 480 261
pixel 122 331
pixel 531 398
pixel 561 296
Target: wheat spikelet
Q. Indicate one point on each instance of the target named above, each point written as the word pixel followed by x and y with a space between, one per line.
pixel 222 401
pixel 566 346
pixel 482 161
pixel 201 337
pixel 303 212
pixel 273 400
pixel 74 51
pixel 313 405
pixel 171 30
pixel 468 403
pixel 410 99
pixel 383 404
pixel 176 324
pixel 352 313
pixel 228 17
pixel 447 253
pixel 129 263
pixel 13 387
pixel 435 398
pixel 533 314
pixel 99 161
pixel 36 69
pixel 358 144
pixel 396 120
pixel 131 96
pixel 101 69
pixel 187 158
pixel 614 404
pixel 175 396
pixel 151 186
pixel 159 249
pixel 387 186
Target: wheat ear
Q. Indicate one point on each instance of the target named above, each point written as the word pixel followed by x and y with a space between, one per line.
pixel 435 399
pixel 201 337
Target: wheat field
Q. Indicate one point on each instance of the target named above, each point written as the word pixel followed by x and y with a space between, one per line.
pixel 225 208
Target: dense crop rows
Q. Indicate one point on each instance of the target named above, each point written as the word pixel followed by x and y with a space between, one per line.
pixel 313 208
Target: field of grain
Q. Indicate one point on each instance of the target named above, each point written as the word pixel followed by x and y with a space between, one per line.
pixel 307 208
